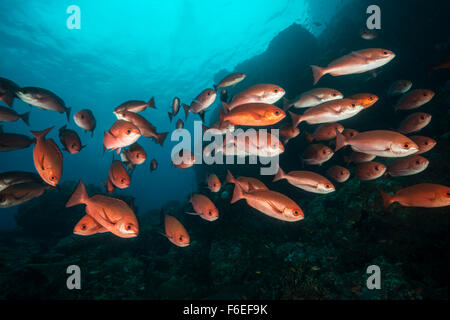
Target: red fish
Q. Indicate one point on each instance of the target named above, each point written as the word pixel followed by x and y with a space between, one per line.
pixel 324 132
pixel 399 87
pixel 133 156
pixel 87 226
pixel 253 114
pixel 354 63
pixel 260 93
pixel 289 132
pixel 204 207
pixel 113 214
pixel 85 120
pixel 213 183
pixel 122 134
pixel 407 166
pixel 271 203
pixel 184 159
pixel 366 99
pixel 153 165
pixel 48 159
pixel 136 105
pixel 246 183
pixel 9 115
pixel 306 180
pixel 230 80
pixel 70 140
pixel 414 122
pixel 316 154
pixel 176 232
pixel 425 144
pixel 118 175
pixel 423 195
pixel 414 99
pixel 359 157
pixel 313 98
pixel 338 173
pixel 349 133
pixel 383 143
pixel 20 193
pixel 202 102
pixel 370 170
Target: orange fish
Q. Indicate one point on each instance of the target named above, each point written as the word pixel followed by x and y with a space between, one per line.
pixel 118 175
pixel 213 183
pixel 317 154
pixel 306 180
pixel 383 143
pixel 349 133
pixel 370 170
pixel 312 98
pixel 425 144
pixel 136 105
pixel 359 157
pixel 414 122
pixel 175 232
pixel 414 99
pixel 113 214
pixel 20 193
pixel 202 102
pixel 70 140
pixel 246 183
pixel 9 115
pixel 204 207
pixel 354 63
pixel 324 132
pixel 423 195
pixel 87 226
pixel 85 120
pixel 366 99
pixel 48 159
pixel 338 173
pixel 260 93
pixel 133 156
pixel 146 128
pixel 399 87
pixel 289 132
pixel 407 166
pixel 330 111
pixel 253 114
pixel 184 159
pixel 122 134
pixel 230 80
pixel 271 203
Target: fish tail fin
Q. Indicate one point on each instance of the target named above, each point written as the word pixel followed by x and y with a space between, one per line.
pixel 26 118
pixel 41 134
pixel 340 141
pixel 279 175
pixel 387 199
pixel 238 193
pixel 78 196
pixel 8 99
pixel 296 119
pixel 68 114
pixel 286 104
pixel 205 128
pixel 318 73
pixel 170 116
pixel 151 103
pixel 309 137
pixel 187 109
pixel 202 115
pixel 230 178
pixel 161 137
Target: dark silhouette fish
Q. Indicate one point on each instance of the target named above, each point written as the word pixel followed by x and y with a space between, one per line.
pixel 8 91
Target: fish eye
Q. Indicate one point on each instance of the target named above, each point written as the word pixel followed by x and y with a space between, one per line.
pixel 210 212
pixel 426 143
pixel 422 117
pixel 342 173
pixel 385 53
pixel 376 168
pixel 353 105
pixel 296 212
pixel 448 194
pixel 128 131
pixel 277 112
pixel 334 94
pixel 82 116
pixel 406 145
pixel 52 178
pixel 424 94
pixel 181 238
pixel 327 186
pixel 417 161
pixel 370 98
pixel 129 227
pixel 276 90
pixel 83 227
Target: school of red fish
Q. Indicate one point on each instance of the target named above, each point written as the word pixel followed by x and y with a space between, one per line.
pixel 252 107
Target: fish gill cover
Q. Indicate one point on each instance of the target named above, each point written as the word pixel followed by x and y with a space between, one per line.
pixel 144 49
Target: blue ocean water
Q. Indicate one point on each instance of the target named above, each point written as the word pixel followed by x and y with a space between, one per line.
pixel 133 51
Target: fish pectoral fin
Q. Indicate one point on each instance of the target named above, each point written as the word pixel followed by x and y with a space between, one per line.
pixel 193 213
pixel 256 116
pixel 274 207
pixel 363 59
pixel 105 223
pixel 316 97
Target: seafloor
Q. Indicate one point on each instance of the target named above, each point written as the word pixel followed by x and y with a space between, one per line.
pixel 245 254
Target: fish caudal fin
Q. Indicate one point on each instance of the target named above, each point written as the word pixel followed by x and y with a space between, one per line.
pixel 230 178
pixel 238 193
pixel 187 109
pixel 286 104
pixel 387 199
pixel 318 73
pixel 296 119
pixel 161 137
pixel 68 114
pixel 170 116
pixel 151 103
pixel 279 175
pixel 26 118
pixel 41 134
pixel 8 99
pixel 78 196
pixel 340 141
